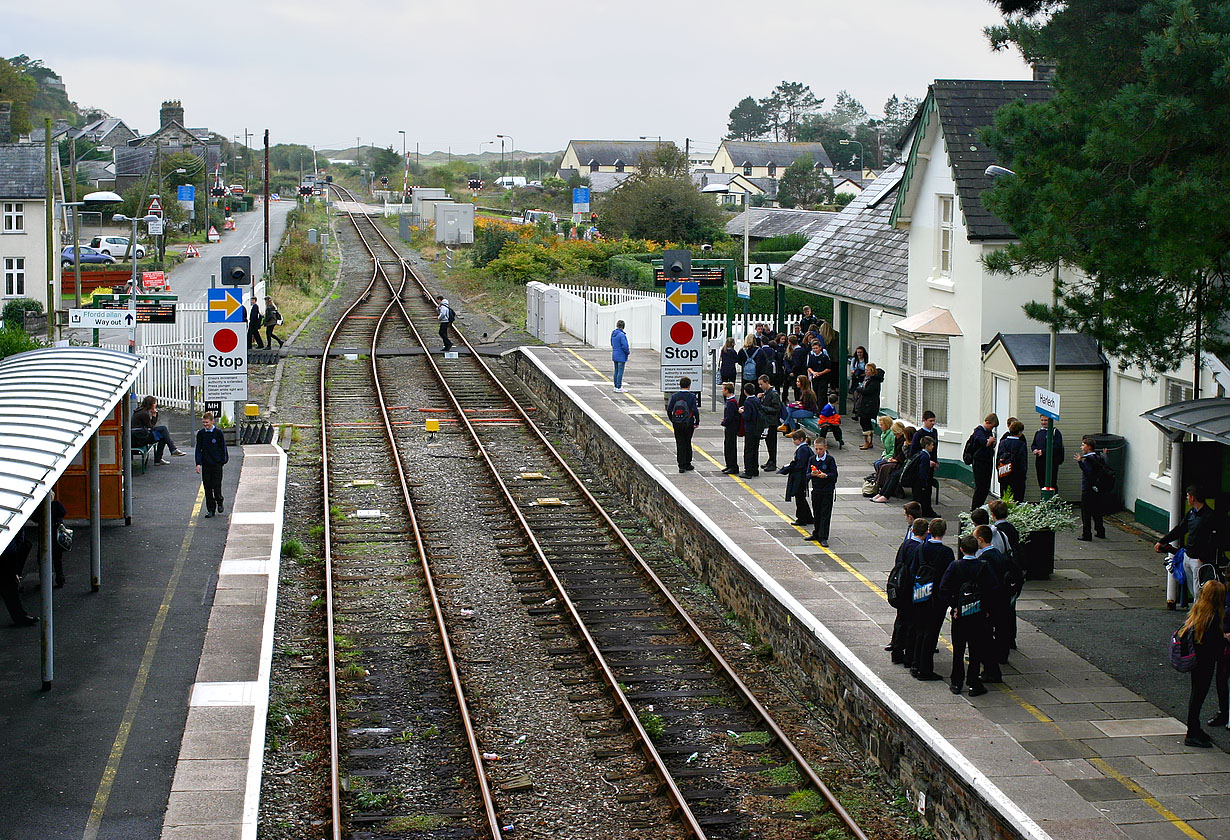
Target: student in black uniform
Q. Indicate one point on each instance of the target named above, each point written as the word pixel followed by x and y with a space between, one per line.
pixel 1091 464
pixel 996 607
pixel 965 588
pixel 823 488
pixel 211 455
pixel 1013 457
pixel 770 415
pixel 684 414
pixel 750 410
pixel 798 475
pixel 1007 541
pixel 902 652
pixel 1039 450
pixel 924 471
pixel 730 428
pixel 983 462
pixel 931 564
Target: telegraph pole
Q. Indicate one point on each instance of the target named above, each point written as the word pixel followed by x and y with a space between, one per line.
pixel 266 269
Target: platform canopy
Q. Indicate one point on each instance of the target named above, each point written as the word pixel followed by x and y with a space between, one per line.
pixel 1208 419
pixel 51 402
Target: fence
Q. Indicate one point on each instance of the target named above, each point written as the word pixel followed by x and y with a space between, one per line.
pixel 171 352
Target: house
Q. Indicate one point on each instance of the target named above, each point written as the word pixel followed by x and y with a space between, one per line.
pixel 107 132
pixel 135 160
pixel 23 214
pixel 585 157
pixel 764 159
pixel 733 190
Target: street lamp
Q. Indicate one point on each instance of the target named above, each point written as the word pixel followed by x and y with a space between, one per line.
pixel 512 143
pixel 860 156
pixel 480 156
pixel 405 162
pixel 996 171
pixel 94 199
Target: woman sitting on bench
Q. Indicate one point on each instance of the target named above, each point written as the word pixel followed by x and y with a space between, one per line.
pixel 146 431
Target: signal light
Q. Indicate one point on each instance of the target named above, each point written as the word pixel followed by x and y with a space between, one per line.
pixel 236 271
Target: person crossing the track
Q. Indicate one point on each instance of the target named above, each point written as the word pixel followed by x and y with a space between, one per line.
pixel 446 315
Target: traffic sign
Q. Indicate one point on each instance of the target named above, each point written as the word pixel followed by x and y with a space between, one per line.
pixel 155 207
pixel 99 319
pixel 744 289
pixel 155 227
pixel 225 306
pixel 185 192
pixel 683 351
pixel 226 361
pixel 191 251
pixel 154 279
pixel 213 235
pixel 1046 402
pixel 683 298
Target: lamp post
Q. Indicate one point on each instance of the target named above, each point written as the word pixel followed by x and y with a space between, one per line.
pixel 512 151
pixel 995 171
pixel 480 156
pixel 860 155
pixel 405 178
pixel 94 199
pixel 132 299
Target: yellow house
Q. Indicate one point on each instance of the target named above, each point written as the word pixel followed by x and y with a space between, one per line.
pixel 585 156
pixel 764 159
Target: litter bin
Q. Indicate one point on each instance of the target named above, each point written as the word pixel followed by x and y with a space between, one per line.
pixel 1114 449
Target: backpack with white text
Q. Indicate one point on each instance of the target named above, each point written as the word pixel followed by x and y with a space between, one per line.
pixel 969 599
pixel 924 580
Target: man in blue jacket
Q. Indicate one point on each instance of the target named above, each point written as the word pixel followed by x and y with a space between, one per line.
pixel 619 354
pixel 211 454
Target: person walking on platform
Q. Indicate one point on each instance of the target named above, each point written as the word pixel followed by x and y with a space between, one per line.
pixel 685 417
pixel 823 488
pixel 932 560
pixel 730 429
pixel 254 327
pixel 620 353
pixel 1092 469
pixel 770 413
pixel 980 454
pixel 965 590
pixel 798 475
pixel 211 455
pixel 867 402
pixel 273 320
pixel 750 411
pixel 1039 450
pixel 728 362
pixel 1204 624
pixel 899 647
pixel 1007 541
pixel 145 427
pixel 446 315
pixel 996 608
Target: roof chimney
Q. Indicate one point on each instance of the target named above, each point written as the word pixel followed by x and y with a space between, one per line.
pixel 171 110
pixel 6 116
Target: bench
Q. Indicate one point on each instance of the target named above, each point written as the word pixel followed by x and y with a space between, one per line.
pixel 144 451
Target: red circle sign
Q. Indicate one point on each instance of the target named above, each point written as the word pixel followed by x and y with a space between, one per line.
pixel 681 332
pixel 225 340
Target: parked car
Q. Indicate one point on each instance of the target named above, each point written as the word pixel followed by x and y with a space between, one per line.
pixel 236 189
pixel 116 246
pixel 89 256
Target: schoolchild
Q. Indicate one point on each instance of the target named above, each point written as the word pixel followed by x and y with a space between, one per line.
pixel 730 428
pixel 823 488
pixel 770 413
pixel 902 652
pixel 967 584
pixel 798 363
pixel 980 454
pixel 1204 623
pixel 1007 541
pixel 750 412
pixel 1091 464
pixel 798 475
pixel 1011 461
pixel 927 430
pixel 685 417
pixel 931 564
pixel 924 470
pixel 996 608
pixel 830 421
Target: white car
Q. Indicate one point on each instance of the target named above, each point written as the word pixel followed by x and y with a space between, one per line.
pixel 115 246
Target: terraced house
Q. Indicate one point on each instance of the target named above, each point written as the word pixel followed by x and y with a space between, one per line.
pixel 23 214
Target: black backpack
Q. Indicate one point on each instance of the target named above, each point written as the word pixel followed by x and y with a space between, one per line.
pixel 679 412
pixel 1105 477
pixel 896 581
pixel 452 314
pixel 969 598
pixel 909 472
pixel 971 448
pixel 924 580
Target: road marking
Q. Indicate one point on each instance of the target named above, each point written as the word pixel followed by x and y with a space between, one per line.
pixel 138 687
pixel 1033 710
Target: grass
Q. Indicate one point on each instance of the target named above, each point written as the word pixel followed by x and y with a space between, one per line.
pixel 754 738
pixel 316 531
pixel 654 724
pixel 292 548
pixel 365 795
pixel 302 274
pixel 787 775
pixel 417 822
pixel 806 801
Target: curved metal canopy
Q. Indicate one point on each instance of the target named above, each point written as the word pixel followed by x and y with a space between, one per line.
pixel 1208 419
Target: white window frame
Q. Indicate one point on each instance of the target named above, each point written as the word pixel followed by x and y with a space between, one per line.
pixel 1173 391
pixel 910 355
pixel 14 277
pixel 945 207
pixel 14 217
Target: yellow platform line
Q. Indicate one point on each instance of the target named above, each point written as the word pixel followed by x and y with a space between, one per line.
pixel 1030 708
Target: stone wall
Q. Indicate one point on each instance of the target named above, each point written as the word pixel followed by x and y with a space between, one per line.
pixel 877 724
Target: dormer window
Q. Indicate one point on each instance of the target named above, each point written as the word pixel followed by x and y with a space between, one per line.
pixel 747 167
pixel 619 166
pixel 772 170
pixel 593 166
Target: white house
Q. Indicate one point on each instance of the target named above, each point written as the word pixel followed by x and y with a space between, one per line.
pixel 23 216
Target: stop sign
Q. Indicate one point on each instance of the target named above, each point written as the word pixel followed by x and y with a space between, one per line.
pixel 681 332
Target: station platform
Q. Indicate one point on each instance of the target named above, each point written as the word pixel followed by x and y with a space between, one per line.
pixel 1085 734
pixel 99 755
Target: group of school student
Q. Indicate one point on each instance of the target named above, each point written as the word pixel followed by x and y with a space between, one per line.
pixel 783 357
pixel 975 587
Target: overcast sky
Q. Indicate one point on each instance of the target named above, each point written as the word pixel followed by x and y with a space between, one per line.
pixel 459 72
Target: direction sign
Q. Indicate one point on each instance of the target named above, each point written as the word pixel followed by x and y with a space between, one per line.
pixel 185 192
pixel 155 207
pixel 1046 402
pixel 225 306
pixel 99 319
pixel 683 351
pixel 683 298
pixel 226 361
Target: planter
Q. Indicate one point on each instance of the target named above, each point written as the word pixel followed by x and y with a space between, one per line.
pixel 231 436
pixel 1038 555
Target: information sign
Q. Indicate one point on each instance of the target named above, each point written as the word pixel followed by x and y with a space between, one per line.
pixel 185 192
pixel 683 351
pixel 744 289
pixel 1046 402
pixel 708 275
pixel 580 199
pixel 763 272
pixel 155 227
pixel 99 319
pixel 226 361
pixel 151 309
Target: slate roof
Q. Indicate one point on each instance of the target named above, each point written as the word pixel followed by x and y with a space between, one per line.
pixel 607 152
pixel 95 170
pixel 764 152
pixel 1031 351
pixel 773 221
pixel 964 107
pixel 133 160
pixel 857 256
pixel 601 182
pixel 23 172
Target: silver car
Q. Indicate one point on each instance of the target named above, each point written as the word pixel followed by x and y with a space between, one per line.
pixel 115 246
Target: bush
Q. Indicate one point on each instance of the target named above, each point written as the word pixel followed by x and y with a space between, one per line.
pixel 12 315
pixel 789 242
pixel 770 256
pixel 14 341
pixel 629 271
pixel 489 241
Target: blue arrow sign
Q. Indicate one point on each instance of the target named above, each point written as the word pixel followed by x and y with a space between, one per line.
pixel 225 306
pixel 683 298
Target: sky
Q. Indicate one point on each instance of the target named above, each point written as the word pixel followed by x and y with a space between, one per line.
pixel 457 73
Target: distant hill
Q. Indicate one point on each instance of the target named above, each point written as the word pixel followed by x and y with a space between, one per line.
pixel 37 92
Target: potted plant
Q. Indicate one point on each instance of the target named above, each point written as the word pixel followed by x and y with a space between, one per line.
pixel 229 433
pixel 1037 523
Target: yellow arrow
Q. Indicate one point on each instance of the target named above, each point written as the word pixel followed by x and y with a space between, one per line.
pixel 679 297
pixel 228 304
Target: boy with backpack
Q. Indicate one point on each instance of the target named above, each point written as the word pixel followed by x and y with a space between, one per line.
pixel 770 413
pixel 446 315
pixel 932 561
pixel 966 590
pixel 1097 480
pixel 1007 541
pixel 900 590
pixel 685 417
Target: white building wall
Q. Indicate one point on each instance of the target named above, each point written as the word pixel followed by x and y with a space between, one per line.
pixel 32 246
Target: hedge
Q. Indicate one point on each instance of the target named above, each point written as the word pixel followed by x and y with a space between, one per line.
pixel 631 271
pixel 770 256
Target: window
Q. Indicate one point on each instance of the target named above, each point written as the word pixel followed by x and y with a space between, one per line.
pixel 747 169
pixel 945 226
pixel 619 166
pixel 1176 390
pixel 772 170
pixel 593 167
pixel 14 276
pixel 924 379
pixel 14 217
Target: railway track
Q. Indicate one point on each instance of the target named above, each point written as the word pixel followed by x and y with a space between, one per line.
pixel 672 728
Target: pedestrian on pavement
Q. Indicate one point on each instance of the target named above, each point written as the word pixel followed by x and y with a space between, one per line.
pixel 211 455
pixel 1092 469
pixel 819 367
pixel 750 412
pixel 1204 623
pixel 996 607
pixel 619 354
pixel 807 321
pixel 858 367
pixel 446 315
pixel 685 417
pixel 746 358
pixel 1039 450
pixel 965 589
pixel 145 427
pixel 798 476
pixel 867 401
pixel 924 473
pixel 728 361
pixel 273 320
pixel 254 326
pixel 1199 527
pixel 12 561
pixel 899 646
pixel 980 454
pixel 931 564
pixel 1007 541
pixel 770 413
pixel 1011 461
pixel 823 488
pixel 730 429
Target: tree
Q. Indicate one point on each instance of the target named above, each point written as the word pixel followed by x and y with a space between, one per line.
pixel 897 115
pixel 786 106
pixel 804 185
pixel 748 120
pixel 848 113
pixel 1122 174
pixel 663 208
pixel 18 88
